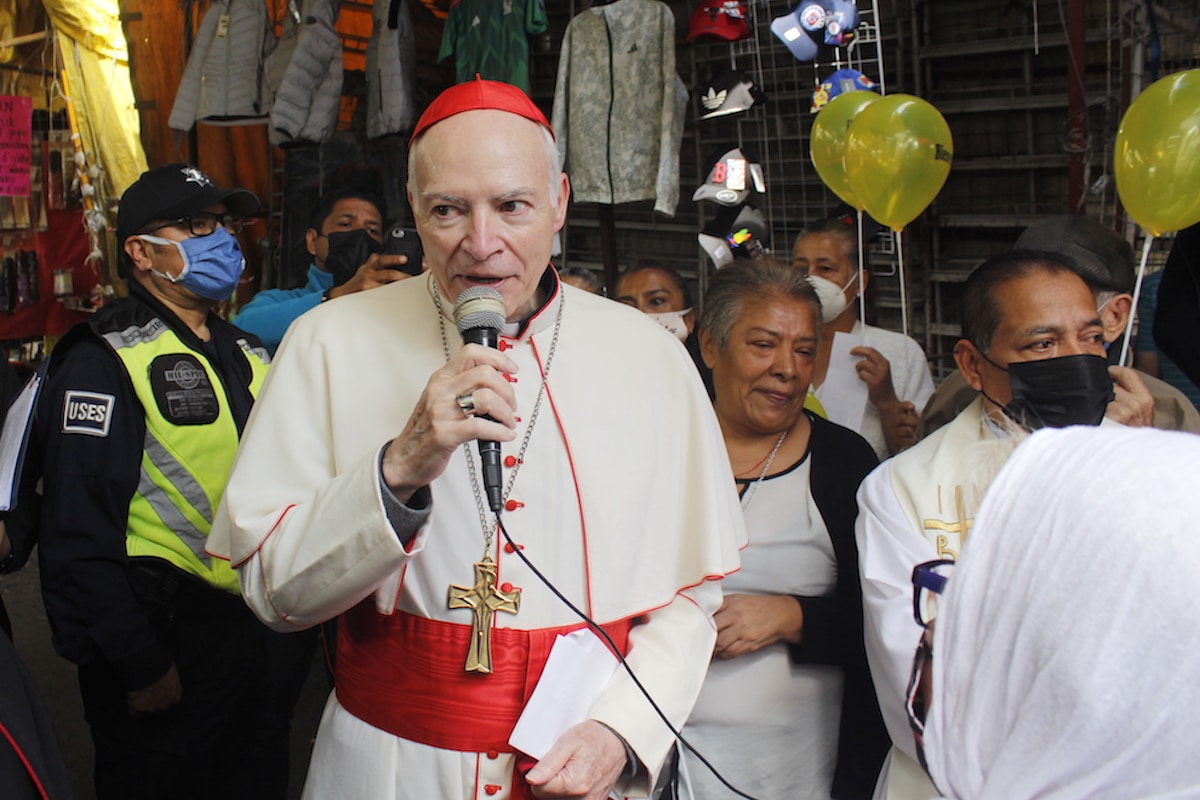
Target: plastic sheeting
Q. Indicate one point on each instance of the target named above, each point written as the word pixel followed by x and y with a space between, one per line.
pixel 96 63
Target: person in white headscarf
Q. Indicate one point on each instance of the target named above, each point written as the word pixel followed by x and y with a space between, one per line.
pixel 1066 648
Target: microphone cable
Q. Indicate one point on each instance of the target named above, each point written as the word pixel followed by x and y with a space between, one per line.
pixel 591 623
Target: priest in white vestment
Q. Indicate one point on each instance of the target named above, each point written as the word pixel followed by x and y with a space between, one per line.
pixel 358 493
pixel 1034 348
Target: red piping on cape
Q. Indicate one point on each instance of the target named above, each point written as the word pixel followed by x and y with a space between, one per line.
pixel 587 560
pixel 37 782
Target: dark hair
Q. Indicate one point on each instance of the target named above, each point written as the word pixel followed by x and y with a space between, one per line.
pixel 586 275
pixel 670 272
pixel 843 227
pixel 325 203
pixel 980 311
pixel 746 280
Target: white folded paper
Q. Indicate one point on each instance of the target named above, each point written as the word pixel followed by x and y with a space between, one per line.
pixel 579 667
pixel 844 394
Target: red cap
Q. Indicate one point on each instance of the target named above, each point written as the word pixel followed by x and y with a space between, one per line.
pixel 719 19
pixel 478 95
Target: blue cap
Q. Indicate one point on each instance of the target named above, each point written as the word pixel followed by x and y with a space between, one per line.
pixel 840 82
pixel 816 22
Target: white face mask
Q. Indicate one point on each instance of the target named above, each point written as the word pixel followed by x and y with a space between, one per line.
pixel 674 322
pixel 833 299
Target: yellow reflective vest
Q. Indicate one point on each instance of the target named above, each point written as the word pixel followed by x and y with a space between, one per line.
pixel 191 439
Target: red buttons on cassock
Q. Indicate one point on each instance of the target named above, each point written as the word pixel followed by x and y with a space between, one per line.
pixel 513 505
pixel 506 587
pixel 491 789
pixel 509 378
pixel 510 461
pixel 508 548
pixel 503 345
pixel 493 755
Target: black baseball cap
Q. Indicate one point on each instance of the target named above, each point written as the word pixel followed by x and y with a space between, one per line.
pixel 730 92
pixel 1098 253
pixel 172 191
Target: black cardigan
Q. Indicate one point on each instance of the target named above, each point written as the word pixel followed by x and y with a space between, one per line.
pixel 833 626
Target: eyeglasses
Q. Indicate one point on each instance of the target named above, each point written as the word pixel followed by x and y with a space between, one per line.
pixel 206 223
pixel 929 581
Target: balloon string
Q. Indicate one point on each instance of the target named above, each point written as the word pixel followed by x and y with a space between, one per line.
pixel 862 260
pixel 903 291
pixel 1137 293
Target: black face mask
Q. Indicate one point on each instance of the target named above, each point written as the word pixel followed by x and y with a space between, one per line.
pixel 1057 392
pixel 349 250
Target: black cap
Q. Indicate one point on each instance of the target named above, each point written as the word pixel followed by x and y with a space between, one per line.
pixel 1097 253
pixel 730 92
pixel 172 191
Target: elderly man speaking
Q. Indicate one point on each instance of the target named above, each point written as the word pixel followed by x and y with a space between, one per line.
pixel 359 495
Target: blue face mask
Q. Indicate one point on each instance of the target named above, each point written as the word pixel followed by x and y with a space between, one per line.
pixel 212 264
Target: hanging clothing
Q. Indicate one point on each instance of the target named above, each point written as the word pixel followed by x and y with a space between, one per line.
pixel 223 82
pixel 305 73
pixel 308 67
pixel 491 39
pixel 391 68
pixel 1066 648
pixel 618 113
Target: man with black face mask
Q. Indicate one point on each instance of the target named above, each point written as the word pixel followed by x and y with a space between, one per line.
pixel 345 238
pixel 1034 351
pixel 1105 262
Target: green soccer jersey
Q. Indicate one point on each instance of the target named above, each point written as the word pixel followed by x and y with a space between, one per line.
pixel 490 38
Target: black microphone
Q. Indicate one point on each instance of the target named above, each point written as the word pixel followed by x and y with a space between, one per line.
pixel 479 314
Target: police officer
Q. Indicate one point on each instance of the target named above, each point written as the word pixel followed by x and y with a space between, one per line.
pixel 138 424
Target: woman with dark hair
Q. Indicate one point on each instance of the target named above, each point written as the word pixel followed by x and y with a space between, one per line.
pixel 787 709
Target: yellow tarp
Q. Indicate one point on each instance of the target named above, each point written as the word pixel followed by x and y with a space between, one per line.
pixel 95 24
pixel 96 74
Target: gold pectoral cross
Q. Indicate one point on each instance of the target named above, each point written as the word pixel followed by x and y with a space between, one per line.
pixel 484 599
pixel 962 527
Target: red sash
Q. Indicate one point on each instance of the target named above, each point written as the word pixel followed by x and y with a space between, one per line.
pixel 404 674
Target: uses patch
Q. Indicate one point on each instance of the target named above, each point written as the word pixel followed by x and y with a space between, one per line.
pixel 87 412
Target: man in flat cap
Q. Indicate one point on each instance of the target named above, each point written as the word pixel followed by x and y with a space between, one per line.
pixel 367 500
pixel 1105 262
pixel 138 424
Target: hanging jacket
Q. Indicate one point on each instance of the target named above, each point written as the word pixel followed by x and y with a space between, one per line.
pixel 305 72
pixel 309 91
pixel 391 61
pixel 222 83
pixel 617 105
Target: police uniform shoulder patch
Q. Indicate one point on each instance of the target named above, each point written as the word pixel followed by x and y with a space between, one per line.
pixel 182 390
pixel 89 413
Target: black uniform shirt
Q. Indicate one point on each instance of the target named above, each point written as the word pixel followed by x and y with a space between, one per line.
pixel 89 479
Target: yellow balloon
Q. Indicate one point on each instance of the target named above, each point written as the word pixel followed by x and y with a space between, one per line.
pixel 898 154
pixel 827 142
pixel 1157 159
